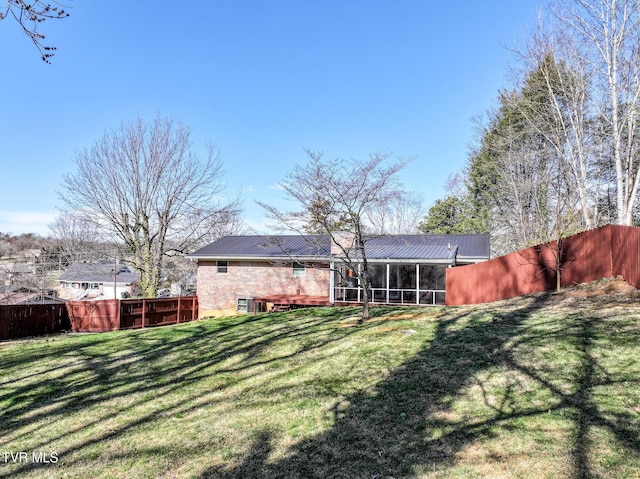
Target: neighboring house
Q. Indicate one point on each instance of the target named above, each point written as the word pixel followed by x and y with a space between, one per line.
pixel 184 287
pixel 97 281
pixel 15 273
pixel 236 272
pixel 22 295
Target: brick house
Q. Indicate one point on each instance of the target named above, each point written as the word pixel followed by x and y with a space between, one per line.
pixel 239 273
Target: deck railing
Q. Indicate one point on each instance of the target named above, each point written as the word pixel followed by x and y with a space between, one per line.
pixel 347 294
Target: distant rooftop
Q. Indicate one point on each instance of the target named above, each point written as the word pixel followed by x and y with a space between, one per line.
pixel 99 273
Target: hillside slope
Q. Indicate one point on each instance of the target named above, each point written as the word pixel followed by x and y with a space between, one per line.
pixel 543 386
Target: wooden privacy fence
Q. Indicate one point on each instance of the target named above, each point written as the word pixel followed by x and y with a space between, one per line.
pixel 603 252
pixel 20 321
pixel 114 314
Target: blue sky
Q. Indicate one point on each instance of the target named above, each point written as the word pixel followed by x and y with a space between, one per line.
pixel 262 80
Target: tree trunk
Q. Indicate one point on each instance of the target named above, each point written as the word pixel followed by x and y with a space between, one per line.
pixel 559 264
pixel 365 304
pixel 364 275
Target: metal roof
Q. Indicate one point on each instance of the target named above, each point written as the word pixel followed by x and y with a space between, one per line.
pixel 475 246
pixel 98 273
pixel 265 246
pixel 409 247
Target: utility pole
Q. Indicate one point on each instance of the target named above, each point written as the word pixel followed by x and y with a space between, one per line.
pixel 115 273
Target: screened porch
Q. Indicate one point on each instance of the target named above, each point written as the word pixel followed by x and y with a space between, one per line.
pixel 392 283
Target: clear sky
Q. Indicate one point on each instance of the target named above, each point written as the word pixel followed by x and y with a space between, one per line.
pixel 261 79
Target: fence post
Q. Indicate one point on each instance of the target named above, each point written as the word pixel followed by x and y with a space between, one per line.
pixel 194 312
pixel 178 312
pixel 119 313
pixel 144 311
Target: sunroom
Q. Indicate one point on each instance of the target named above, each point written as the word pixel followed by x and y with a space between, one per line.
pixel 391 283
pixel 405 269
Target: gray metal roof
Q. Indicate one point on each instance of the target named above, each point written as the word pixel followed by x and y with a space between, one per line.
pixel 279 246
pixel 475 246
pixel 410 247
pixel 98 273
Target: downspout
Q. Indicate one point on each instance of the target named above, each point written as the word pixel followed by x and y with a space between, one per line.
pixel 332 282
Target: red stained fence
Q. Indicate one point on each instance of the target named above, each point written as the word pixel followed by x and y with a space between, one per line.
pixel 114 314
pixel 625 254
pixel 94 316
pixel 19 321
pixel 603 252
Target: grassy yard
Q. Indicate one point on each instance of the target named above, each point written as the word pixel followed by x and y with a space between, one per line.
pixel 544 386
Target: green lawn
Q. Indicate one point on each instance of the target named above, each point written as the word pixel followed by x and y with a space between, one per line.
pixel 545 386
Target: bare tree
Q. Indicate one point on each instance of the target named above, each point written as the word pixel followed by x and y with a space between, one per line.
pixel 77 238
pixel 564 119
pixel 340 194
pixel 31 271
pixel 399 216
pixel 7 247
pixel 29 15
pixel 606 35
pixel 509 175
pixel 143 185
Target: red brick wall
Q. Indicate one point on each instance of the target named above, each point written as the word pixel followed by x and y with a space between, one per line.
pixel 218 292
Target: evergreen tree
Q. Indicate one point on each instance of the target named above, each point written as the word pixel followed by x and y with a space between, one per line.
pixel 452 215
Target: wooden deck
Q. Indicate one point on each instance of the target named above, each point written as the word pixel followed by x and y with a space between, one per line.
pixel 282 302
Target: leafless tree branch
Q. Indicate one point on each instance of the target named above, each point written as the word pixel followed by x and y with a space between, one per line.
pixel 29 15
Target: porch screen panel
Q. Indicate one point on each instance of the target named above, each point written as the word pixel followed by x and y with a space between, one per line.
pixel 402 276
pixel 346 284
pixel 346 277
pixel 378 281
pixel 432 284
pixel 432 277
pixel 402 283
pixel 378 275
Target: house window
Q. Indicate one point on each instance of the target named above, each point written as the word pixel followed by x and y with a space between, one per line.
pixel 298 269
pixel 222 266
pixel 243 305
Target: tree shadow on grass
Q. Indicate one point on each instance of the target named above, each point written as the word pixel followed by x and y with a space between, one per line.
pixel 398 428
pixel 580 403
pixel 150 365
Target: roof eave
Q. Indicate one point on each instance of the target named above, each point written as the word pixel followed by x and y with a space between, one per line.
pixel 315 259
pixel 325 259
pixel 471 259
pixel 400 260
